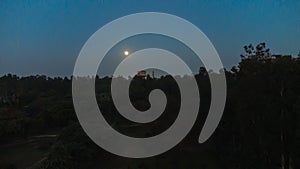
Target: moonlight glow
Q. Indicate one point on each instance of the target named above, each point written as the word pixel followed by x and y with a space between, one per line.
pixel 126 53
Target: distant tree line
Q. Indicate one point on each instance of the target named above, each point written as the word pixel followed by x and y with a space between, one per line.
pixel 260 127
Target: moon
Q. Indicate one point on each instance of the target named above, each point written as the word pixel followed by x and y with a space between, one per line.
pixel 126 53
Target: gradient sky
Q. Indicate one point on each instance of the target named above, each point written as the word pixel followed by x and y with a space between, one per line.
pixel 45 37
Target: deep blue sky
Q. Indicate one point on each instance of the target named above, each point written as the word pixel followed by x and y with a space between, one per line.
pixel 45 37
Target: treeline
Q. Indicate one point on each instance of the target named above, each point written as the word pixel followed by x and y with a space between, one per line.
pixel 260 127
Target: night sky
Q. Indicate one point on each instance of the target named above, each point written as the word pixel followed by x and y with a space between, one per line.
pixel 45 37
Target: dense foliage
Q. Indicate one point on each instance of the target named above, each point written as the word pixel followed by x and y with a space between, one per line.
pixel 260 127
